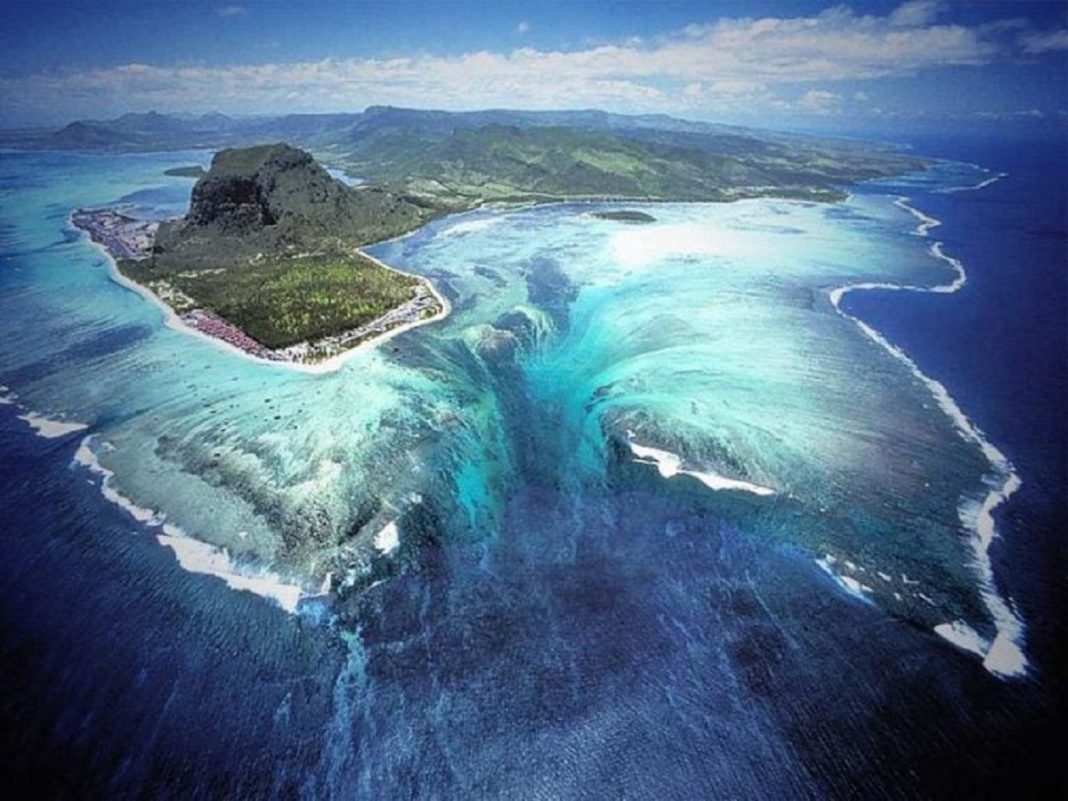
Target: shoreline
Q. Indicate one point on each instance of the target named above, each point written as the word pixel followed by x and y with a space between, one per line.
pixel 1003 656
pixel 173 320
pixel 192 554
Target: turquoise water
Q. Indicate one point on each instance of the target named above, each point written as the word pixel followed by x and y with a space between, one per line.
pixel 707 334
pixel 644 512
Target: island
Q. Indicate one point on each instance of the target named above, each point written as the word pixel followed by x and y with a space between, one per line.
pixel 190 171
pixel 625 215
pixel 268 258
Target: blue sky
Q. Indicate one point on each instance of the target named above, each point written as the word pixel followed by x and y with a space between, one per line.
pixel 785 64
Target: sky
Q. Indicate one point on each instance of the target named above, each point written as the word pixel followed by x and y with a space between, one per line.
pixel 789 64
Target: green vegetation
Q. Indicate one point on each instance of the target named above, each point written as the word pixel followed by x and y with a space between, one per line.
pixel 440 161
pixel 625 216
pixel 276 200
pixel 543 163
pixel 280 303
pixel 192 171
pixel 246 161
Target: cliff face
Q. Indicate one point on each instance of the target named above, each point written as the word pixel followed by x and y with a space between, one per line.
pixel 276 200
pixel 235 204
pixel 260 199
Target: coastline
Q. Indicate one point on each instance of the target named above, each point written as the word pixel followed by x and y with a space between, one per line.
pixel 192 554
pixel 172 320
pixel 1003 656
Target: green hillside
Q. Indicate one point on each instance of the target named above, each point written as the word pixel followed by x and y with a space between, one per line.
pixel 496 162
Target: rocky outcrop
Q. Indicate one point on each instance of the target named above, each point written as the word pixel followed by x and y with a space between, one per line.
pixel 276 199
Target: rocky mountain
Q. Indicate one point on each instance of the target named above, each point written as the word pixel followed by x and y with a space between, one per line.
pixel 276 199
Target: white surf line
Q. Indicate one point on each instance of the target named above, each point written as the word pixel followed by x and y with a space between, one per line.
pixel 172 320
pixel 50 429
pixel 474 226
pixel 192 554
pixel 1004 656
pixel 847 583
pixel 926 222
pixel 45 427
pixel 200 557
pixel 669 464
pixel 980 185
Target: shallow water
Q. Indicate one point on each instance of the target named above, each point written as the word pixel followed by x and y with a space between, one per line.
pixel 559 618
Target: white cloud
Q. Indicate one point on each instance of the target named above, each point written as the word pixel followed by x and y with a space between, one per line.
pixel 230 11
pixel 1044 42
pixel 727 64
pixel 736 87
pixel 818 100
pixel 1002 116
pixel 522 27
pixel 915 13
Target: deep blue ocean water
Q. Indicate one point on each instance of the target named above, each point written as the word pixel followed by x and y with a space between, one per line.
pixel 641 643
pixel 1001 345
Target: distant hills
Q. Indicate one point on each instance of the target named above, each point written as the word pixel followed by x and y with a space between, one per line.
pixel 510 162
pixel 457 159
pixel 519 155
pixel 155 131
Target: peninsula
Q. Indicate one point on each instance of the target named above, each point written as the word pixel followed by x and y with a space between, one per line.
pixel 267 258
pixel 190 171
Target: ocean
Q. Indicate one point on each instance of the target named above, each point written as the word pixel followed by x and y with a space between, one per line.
pixel 650 514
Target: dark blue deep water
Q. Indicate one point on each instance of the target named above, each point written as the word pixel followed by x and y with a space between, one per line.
pixel 1002 345
pixel 702 662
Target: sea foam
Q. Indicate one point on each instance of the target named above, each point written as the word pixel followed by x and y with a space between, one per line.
pixel 1004 656
pixel 42 426
pixel 200 557
pixel 669 464
pixel 470 226
pixel 847 583
pixel 387 539
pixel 51 429
pixel 984 183
pixel 192 554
